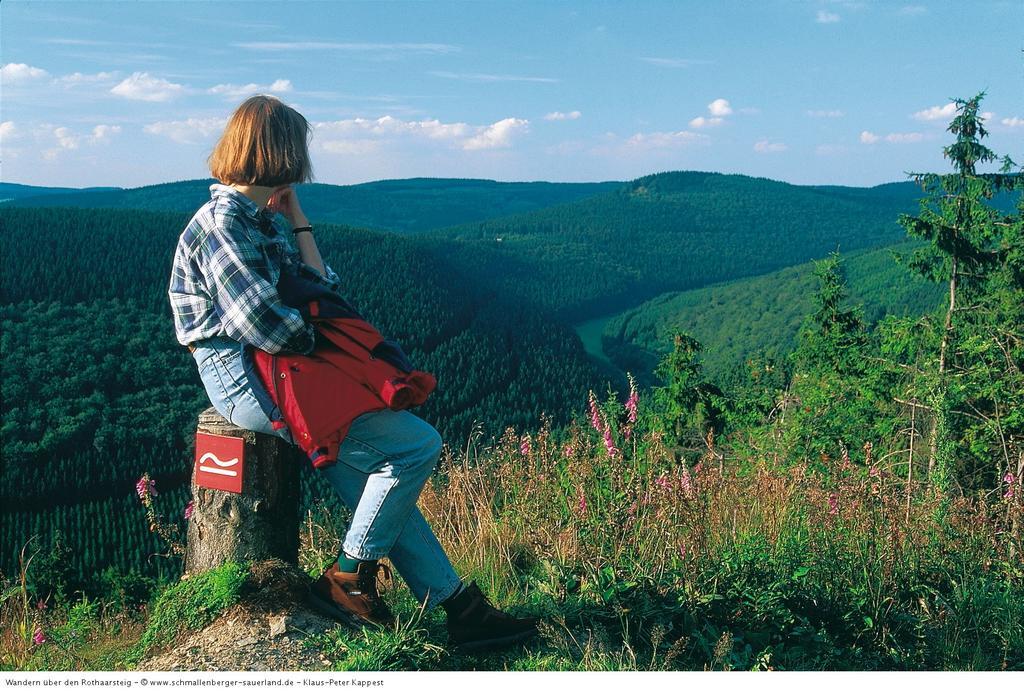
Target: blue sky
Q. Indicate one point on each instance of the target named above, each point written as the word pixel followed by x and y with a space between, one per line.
pixel 806 91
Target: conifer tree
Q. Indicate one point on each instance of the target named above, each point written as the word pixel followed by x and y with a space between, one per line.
pixel 968 244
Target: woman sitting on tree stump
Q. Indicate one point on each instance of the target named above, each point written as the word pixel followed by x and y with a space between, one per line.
pixel 223 294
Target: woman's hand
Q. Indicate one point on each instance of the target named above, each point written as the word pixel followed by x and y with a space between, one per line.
pixel 286 202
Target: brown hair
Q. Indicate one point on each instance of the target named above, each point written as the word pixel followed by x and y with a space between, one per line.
pixel 265 144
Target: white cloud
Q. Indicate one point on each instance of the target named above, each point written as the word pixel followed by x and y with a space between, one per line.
pixel 893 137
pixel 361 134
pixel 573 115
pixel 825 17
pixel 498 135
pixel 766 147
pixel 188 131
pixel 904 137
pixel 1013 122
pixel 69 140
pixel 66 138
pixel 141 86
pixel 719 108
pixel 352 147
pixel 14 72
pixel 701 121
pixel 8 131
pixel 279 86
pixel 76 78
pixel 825 113
pixel 936 113
pixel 912 10
pixel 102 133
pixel 986 115
pixel 664 140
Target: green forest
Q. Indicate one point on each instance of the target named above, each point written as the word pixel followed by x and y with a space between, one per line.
pixel 852 357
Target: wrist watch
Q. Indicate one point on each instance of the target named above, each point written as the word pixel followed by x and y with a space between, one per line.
pixel 302 229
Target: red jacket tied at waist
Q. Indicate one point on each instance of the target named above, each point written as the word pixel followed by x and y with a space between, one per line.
pixel 352 371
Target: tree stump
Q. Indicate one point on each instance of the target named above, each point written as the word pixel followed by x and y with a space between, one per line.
pixel 260 523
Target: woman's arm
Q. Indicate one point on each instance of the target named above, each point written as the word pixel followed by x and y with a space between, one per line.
pixel 308 250
pixel 287 203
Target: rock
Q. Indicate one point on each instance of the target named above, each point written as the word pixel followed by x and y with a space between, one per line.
pixel 248 640
pixel 279 626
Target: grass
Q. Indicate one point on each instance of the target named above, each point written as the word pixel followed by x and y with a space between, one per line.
pixel 637 562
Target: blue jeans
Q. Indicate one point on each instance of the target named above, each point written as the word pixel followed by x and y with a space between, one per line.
pixel 383 463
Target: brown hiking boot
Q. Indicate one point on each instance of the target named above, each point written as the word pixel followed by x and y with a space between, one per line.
pixel 474 624
pixel 352 598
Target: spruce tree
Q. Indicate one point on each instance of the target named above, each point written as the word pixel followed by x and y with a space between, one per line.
pixel 969 243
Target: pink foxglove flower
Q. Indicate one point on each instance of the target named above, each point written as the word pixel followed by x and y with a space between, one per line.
pixel 146 487
pixel 39 637
pixel 524 446
pixel 633 399
pixel 685 483
pixel 663 482
pixel 833 504
pixel 569 450
pixel 608 443
pixel 682 550
pixel 595 415
pixel 188 510
pixel 582 505
pixel 1009 479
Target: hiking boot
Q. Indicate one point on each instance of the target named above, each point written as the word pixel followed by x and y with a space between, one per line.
pixel 352 598
pixel 474 624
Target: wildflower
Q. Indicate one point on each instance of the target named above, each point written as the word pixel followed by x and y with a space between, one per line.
pixel 582 505
pixel 608 443
pixel 833 504
pixel 684 482
pixel 867 451
pixel 1009 479
pixel 188 510
pixel 632 508
pixel 845 455
pixel 595 416
pixel 662 481
pixel 633 399
pixel 524 446
pixel 146 487
pixel 41 605
pixel 874 472
pixel 682 550
pixel 39 637
pixel 569 450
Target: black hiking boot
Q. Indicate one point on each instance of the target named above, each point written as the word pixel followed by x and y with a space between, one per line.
pixel 474 624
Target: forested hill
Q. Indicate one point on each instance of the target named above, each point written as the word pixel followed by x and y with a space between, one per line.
pixel 670 231
pixel 11 190
pixel 404 206
pixel 761 314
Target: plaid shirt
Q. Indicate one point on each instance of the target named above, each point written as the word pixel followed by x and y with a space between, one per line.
pixel 224 277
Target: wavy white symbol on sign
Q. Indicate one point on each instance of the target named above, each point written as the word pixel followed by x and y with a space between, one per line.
pixel 223 464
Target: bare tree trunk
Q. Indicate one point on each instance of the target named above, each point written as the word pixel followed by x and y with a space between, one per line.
pixel 946 331
pixel 260 523
pixel 910 457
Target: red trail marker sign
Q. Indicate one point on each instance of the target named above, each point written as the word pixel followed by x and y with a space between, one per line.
pixel 220 461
